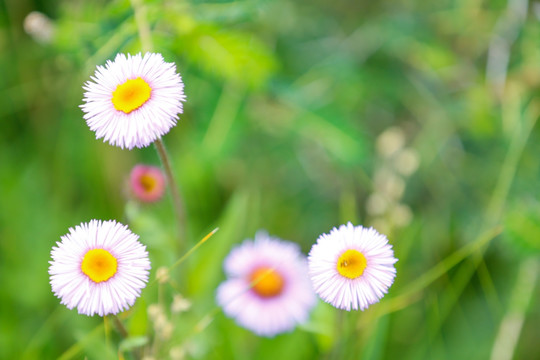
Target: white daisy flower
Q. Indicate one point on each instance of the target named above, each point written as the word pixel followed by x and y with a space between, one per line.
pixel 267 290
pixel 99 268
pixel 352 267
pixel 133 100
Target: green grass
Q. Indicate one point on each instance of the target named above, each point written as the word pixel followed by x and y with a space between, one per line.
pixel 287 102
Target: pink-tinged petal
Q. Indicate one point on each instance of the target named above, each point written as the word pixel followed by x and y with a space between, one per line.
pixel 77 290
pixel 343 292
pixel 142 126
pixel 266 315
pixel 147 183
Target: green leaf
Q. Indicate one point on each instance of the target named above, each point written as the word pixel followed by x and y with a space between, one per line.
pixel 132 342
pixel 230 55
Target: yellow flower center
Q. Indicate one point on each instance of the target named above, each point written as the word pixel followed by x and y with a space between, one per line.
pixel 99 265
pixel 131 95
pixel 148 182
pixel 351 264
pixel 267 282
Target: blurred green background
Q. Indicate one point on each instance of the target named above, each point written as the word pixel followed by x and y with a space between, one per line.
pixel 415 117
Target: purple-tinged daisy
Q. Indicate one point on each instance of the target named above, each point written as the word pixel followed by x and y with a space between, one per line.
pixel 133 100
pixel 99 267
pixel 147 183
pixel 352 267
pixel 267 290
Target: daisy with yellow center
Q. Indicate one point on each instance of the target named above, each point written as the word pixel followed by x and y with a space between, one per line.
pixel 99 268
pixel 147 183
pixel 351 264
pixel 133 100
pixel 267 289
pixel 99 265
pixel 131 95
pixel 352 267
pixel 267 283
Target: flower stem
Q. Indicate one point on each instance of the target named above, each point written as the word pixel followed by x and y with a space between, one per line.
pixel 143 27
pixel 120 327
pixel 145 35
pixel 512 323
pixel 107 330
pixel 137 352
pixel 177 200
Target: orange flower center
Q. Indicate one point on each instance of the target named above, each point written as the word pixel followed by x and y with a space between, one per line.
pixel 351 264
pixel 267 282
pixel 148 182
pixel 99 265
pixel 131 95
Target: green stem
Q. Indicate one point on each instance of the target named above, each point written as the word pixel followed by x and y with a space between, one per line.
pixel 142 25
pixel 79 346
pixel 120 327
pixel 507 338
pixel 143 28
pixel 177 200
pixel 107 330
pixel 188 253
pixel 124 333
pixel 337 349
pixel 222 120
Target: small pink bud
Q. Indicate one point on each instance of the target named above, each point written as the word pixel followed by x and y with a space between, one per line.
pixel 147 183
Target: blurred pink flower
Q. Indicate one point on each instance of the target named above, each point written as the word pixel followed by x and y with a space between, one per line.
pixel 147 183
pixel 267 290
pixel 99 267
pixel 352 267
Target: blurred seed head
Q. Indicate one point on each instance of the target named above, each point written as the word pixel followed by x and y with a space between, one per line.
pixel 376 204
pixel 154 310
pixel 401 215
pixel 162 275
pixel 407 161
pixel 180 304
pixel 160 321
pixel 177 353
pixel 166 331
pixel 162 326
pixel 388 183
pixel 390 141
pixel 39 27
